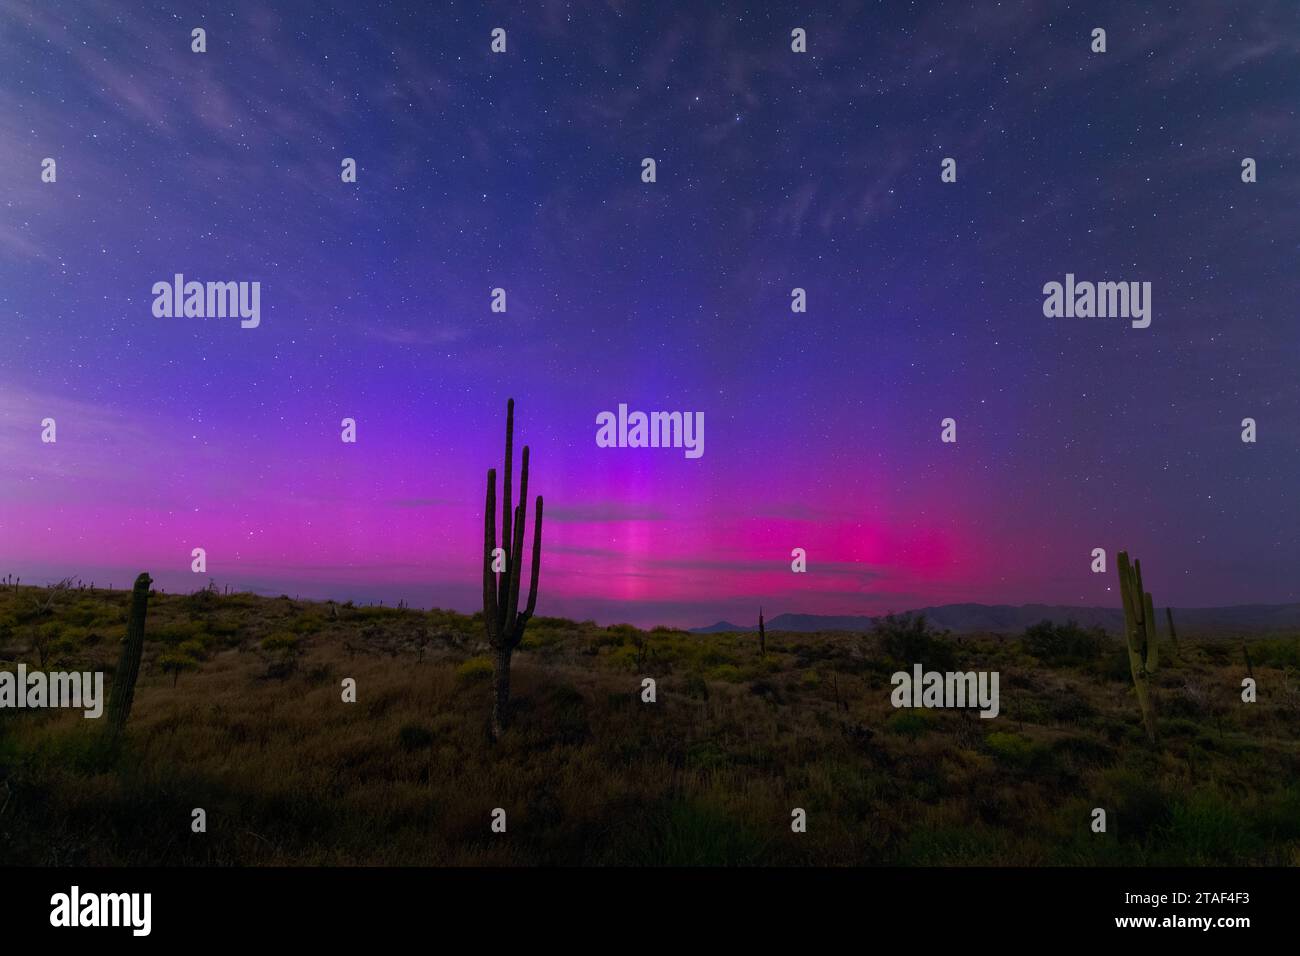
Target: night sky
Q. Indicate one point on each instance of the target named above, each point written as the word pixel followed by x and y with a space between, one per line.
pixel 775 170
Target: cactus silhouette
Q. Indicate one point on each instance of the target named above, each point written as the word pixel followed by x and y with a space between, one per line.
pixel 1140 636
pixel 762 635
pixel 504 621
pixel 128 666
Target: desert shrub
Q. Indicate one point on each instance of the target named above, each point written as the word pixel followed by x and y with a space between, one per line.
pixel 725 672
pixel 697 834
pixel 1064 644
pixel 1071 708
pixel 1278 818
pixel 53 641
pixel 475 669
pixel 1209 828
pixel 319 674
pixel 308 624
pixel 83 612
pixel 283 650
pixel 1276 652
pixel 697 687
pixel 610 637
pixel 205 598
pixel 178 632
pixel 712 656
pixel 568 715
pixel 1020 680
pixel 1189 702
pixel 541 620
pixel 909 723
pixel 1220 653
pixel 1142 807
pixel 60 643
pixel 175 661
pixel 1180 727
pixel 414 737
pixel 707 754
pixel 1012 748
pixel 281 641
pixel 1084 750
pixel 536 638
pixel 909 640
pixel 955 846
pixel 1026 710
pixel 809 655
pixel 1114 665
pixel 222 627
pixel 626 658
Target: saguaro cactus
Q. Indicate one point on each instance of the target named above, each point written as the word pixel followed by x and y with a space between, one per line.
pixel 504 621
pixel 762 635
pixel 1140 635
pixel 128 666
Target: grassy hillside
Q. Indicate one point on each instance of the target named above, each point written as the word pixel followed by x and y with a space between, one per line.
pixel 239 712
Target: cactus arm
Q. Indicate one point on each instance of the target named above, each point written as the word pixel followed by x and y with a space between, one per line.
pixel 516 558
pixel 1139 607
pixel 507 489
pixel 1126 595
pixel 537 564
pixel 490 545
pixel 521 514
pixel 1153 640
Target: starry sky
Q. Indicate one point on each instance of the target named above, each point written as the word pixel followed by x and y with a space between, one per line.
pixel 775 170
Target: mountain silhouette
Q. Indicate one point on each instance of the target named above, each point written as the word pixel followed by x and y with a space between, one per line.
pixel 1008 619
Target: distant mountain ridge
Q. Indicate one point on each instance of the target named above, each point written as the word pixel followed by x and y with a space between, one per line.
pixel 1009 619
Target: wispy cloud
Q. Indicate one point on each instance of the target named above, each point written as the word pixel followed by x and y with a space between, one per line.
pixel 404 335
pixel 606 511
pixel 423 502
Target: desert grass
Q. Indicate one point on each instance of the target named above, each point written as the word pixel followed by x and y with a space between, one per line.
pixel 239 712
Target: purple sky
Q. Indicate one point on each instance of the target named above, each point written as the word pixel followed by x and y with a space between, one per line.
pixel 775 170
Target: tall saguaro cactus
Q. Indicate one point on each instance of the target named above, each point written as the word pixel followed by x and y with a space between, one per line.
pixel 762 635
pixel 1140 636
pixel 128 666
pixel 501 572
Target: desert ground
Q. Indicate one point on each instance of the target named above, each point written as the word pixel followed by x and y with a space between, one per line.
pixel 239 711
